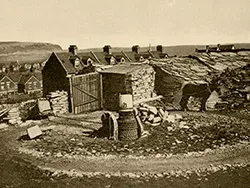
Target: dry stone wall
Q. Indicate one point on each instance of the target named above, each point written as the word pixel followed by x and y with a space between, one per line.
pixel 140 83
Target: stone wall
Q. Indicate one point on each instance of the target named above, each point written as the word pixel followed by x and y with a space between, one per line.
pixel 140 83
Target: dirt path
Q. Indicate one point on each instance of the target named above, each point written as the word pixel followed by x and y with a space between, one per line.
pixel 238 154
pixel 195 161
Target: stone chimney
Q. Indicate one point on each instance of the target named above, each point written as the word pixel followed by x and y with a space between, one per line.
pixel 136 49
pixel 218 48
pixel 107 49
pixel 207 48
pixel 73 49
pixel 159 48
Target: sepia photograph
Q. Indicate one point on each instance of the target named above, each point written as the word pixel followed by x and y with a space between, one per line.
pixel 125 94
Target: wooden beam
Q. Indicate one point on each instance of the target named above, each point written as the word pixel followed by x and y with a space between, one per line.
pixel 147 100
pixel 71 95
pixel 87 102
pixel 86 92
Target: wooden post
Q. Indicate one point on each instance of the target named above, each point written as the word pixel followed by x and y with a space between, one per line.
pixel 71 94
pixel 101 91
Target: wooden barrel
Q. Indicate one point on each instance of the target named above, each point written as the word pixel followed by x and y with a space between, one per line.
pixel 127 126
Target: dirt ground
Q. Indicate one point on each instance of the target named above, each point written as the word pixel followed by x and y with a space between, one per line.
pixel 25 163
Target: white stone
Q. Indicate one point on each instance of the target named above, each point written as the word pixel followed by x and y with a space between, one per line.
pixel 3 125
pixel 171 118
pixel 34 132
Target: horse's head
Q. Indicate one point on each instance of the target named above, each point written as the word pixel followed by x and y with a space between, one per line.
pixel 215 84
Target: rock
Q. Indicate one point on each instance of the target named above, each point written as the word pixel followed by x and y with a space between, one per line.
pixel 107 175
pixel 3 125
pixel 148 150
pixel 178 141
pixel 157 120
pixel 34 132
pixel 151 117
pixel 59 154
pixel 171 118
pixel 153 110
pixel 170 128
pixel 158 155
pixel 183 125
pixel 178 117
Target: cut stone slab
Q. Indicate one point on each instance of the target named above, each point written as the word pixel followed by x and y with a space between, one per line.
pixel 3 125
pixel 34 132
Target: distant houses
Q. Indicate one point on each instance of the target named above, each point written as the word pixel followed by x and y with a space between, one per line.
pixel 30 83
pixel 13 83
pixel 7 85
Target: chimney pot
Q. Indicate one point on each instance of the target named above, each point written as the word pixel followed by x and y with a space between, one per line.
pixel 159 48
pixel 207 48
pixel 73 49
pixel 107 49
pixel 218 47
pixel 136 49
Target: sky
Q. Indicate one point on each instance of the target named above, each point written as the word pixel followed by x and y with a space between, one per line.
pixel 124 23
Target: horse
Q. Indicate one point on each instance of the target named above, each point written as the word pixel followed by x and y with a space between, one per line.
pixel 202 90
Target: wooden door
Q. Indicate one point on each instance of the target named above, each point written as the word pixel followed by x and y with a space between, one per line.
pixel 86 92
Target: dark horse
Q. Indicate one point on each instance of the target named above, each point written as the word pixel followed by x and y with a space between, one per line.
pixel 201 90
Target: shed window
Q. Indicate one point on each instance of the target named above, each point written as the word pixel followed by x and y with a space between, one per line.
pixel 2 87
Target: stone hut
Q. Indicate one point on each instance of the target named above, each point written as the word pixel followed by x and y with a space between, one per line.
pixel 135 79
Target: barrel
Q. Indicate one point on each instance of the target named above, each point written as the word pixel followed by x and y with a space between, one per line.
pixel 125 101
pixel 127 126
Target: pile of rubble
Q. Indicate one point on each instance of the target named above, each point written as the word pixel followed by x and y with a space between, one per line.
pixel 172 73
pixel 151 115
pixel 59 102
pixel 14 116
pixel 235 89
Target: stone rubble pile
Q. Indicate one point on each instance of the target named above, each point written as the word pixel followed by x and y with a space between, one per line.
pixel 235 89
pixel 14 116
pixel 151 115
pixel 59 102
pixel 171 73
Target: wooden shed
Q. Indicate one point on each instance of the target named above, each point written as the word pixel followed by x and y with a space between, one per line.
pixel 135 79
pixel 65 71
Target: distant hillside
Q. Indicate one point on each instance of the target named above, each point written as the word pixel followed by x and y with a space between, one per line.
pixel 24 47
pixel 26 52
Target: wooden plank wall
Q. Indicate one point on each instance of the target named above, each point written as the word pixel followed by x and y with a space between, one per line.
pixel 86 92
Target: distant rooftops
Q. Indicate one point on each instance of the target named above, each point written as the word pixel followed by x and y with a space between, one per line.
pixel 73 60
pixel 218 48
